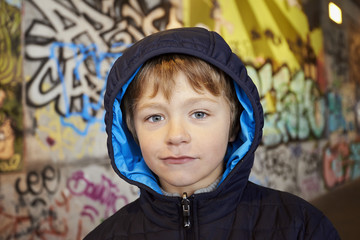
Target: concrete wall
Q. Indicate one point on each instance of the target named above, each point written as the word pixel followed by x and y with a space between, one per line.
pixel 55 178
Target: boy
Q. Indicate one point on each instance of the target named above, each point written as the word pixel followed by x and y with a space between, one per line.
pixel 183 121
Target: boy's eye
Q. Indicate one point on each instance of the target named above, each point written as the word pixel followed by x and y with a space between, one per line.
pixel 155 118
pixel 199 115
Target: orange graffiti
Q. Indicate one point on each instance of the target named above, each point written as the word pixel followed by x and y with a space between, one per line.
pixel 65 201
pixel 7 139
pixel 13 222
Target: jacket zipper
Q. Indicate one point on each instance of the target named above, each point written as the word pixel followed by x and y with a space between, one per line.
pixel 185 204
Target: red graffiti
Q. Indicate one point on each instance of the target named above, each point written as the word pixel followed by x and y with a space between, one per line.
pixel 14 222
pixel 18 226
pixel 64 202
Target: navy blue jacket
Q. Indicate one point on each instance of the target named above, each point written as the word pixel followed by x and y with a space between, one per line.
pixel 237 208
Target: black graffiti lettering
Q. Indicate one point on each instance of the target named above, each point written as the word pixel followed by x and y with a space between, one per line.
pixel 51 179
pixel 37 202
pixel 73 75
pixel 255 35
pixel 334 45
pixel 275 39
pixel 18 188
pixel 310 162
pixel 36 183
pixel 293 46
pixel 33 183
pixel 278 164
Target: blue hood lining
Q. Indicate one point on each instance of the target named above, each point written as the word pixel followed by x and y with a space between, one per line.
pixel 127 154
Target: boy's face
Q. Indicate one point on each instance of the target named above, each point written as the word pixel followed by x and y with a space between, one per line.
pixel 184 139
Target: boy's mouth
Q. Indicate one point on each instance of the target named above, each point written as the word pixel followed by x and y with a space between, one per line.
pixel 177 159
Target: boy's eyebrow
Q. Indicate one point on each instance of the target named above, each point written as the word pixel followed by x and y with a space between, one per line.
pixel 149 105
pixel 187 102
pixel 192 101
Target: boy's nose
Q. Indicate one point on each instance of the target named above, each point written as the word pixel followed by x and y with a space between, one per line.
pixel 177 133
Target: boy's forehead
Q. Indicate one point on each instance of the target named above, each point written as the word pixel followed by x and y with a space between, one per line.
pixel 188 95
pixel 155 85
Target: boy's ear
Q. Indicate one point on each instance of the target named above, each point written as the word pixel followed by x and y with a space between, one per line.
pixel 233 134
pixel 131 126
pixel 232 138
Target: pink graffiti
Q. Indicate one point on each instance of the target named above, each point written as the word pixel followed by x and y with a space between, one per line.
pixel 88 210
pixel 310 184
pixel 336 164
pixel 105 192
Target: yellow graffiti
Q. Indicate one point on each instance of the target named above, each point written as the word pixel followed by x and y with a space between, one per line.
pixel 7 139
pixel 270 99
pixel 10 121
pixel 10 83
pixel 10 60
pixel 257 30
pixel 14 163
pixel 63 142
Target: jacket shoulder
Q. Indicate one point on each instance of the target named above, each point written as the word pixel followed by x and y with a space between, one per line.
pixel 284 212
pixel 117 225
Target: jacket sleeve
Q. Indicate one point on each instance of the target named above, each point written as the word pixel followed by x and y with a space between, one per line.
pixel 323 229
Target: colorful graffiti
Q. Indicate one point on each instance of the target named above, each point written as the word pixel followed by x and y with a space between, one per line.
pixel 43 200
pixel 296 112
pixel 257 30
pixel 287 164
pixel 54 181
pixel 11 125
pixel 67 75
pixel 293 105
pixel 302 77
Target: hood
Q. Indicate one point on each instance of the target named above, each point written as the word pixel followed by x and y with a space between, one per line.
pixel 125 154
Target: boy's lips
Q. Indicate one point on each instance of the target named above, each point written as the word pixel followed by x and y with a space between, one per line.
pixel 178 159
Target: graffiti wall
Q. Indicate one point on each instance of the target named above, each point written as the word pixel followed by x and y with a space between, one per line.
pixel 55 178
pixel 308 89
pixel 11 116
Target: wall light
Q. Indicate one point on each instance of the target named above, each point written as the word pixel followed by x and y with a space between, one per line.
pixel 335 13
